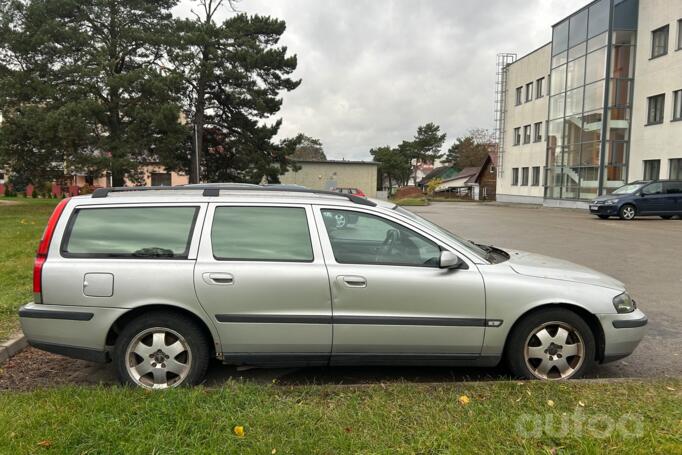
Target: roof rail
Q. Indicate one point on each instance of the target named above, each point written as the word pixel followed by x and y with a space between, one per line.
pixel 214 189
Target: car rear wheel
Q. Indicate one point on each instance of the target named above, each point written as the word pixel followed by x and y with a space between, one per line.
pixel 627 212
pixel 551 344
pixel 161 351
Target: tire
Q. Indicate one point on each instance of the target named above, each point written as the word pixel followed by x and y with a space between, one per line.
pixel 667 217
pixel 179 358
pixel 527 357
pixel 603 217
pixel 627 212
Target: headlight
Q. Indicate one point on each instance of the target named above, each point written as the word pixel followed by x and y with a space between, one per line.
pixel 611 201
pixel 624 303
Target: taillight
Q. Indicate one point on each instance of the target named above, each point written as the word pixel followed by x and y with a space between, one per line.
pixel 43 248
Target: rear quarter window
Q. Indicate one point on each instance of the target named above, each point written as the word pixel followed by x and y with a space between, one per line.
pixel 130 232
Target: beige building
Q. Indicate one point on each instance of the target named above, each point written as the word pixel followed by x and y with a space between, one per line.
pixel 326 175
pixel 612 105
pixel 522 156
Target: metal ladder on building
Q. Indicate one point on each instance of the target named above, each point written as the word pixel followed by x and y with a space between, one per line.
pixel 503 60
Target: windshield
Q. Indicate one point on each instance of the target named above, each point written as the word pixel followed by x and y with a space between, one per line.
pixel 471 246
pixel 627 189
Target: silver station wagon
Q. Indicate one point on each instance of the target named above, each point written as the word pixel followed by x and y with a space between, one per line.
pixel 161 280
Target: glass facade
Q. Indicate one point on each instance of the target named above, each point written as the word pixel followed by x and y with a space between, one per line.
pixel 591 81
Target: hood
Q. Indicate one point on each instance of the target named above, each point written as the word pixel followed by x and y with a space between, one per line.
pixel 539 266
pixel 608 197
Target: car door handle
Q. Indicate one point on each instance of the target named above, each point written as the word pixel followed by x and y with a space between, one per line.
pixel 220 279
pixel 354 281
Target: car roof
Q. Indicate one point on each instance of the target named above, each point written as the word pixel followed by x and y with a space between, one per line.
pixel 227 193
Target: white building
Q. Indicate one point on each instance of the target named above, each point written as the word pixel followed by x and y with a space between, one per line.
pixel 606 120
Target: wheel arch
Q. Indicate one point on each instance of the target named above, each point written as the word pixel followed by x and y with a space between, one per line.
pixel 590 319
pixel 134 313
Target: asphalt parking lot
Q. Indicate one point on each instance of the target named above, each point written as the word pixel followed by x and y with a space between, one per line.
pixel 644 254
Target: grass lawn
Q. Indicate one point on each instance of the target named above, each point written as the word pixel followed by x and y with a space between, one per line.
pixel 22 222
pixel 500 417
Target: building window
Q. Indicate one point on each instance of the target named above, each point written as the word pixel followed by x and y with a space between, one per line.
pixel 519 95
pixel 526 134
pixel 656 109
pixel 676 169
pixel 677 105
pixel 524 176
pixel 652 169
pixel 659 42
pixel 539 89
pixel 537 132
pixel 515 176
pixel 529 92
pixel 536 176
pixel 161 179
pixel 517 136
pixel 679 34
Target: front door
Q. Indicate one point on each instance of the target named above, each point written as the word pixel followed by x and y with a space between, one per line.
pixel 391 301
pixel 261 275
pixel 652 200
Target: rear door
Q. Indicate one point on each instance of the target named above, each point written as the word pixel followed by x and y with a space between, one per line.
pixel 673 192
pixel 391 301
pixel 261 275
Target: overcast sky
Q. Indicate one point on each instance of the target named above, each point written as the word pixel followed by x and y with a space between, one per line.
pixel 374 70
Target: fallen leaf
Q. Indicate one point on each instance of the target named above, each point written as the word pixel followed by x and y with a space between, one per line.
pixel 672 389
pixel 463 400
pixel 550 403
pixel 239 431
pixel 581 404
pixel 347 429
pixel 518 399
pixel 520 383
pixel 274 451
pixel 45 443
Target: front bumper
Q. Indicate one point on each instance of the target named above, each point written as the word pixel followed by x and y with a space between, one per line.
pixel 74 331
pixel 622 333
pixel 603 209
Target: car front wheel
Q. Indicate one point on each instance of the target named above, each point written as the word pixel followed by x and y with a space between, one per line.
pixel 551 344
pixel 161 351
pixel 627 212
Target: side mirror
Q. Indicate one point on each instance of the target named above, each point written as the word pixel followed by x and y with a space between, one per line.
pixel 449 260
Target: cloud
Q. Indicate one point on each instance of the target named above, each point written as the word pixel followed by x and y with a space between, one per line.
pixel 374 70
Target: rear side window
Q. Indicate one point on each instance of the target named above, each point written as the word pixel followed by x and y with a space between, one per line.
pixel 673 187
pixel 261 234
pixel 130 232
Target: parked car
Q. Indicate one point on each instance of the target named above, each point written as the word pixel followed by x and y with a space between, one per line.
pixel 642 198
pixel 353 191
pixel 161 280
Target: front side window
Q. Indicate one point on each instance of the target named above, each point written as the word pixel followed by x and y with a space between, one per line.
pixel 659 42
pixel 655 109
pixel 368 239
pixel 654 188
pixel 261 234
pixel 130 232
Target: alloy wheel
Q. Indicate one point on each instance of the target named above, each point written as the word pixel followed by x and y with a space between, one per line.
pixel 554 350
pixel 158 358
pixel 628 212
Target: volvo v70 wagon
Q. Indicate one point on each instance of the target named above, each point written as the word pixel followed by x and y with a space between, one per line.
pixel 161 280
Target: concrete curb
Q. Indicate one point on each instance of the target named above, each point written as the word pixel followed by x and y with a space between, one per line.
pixel 12 347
